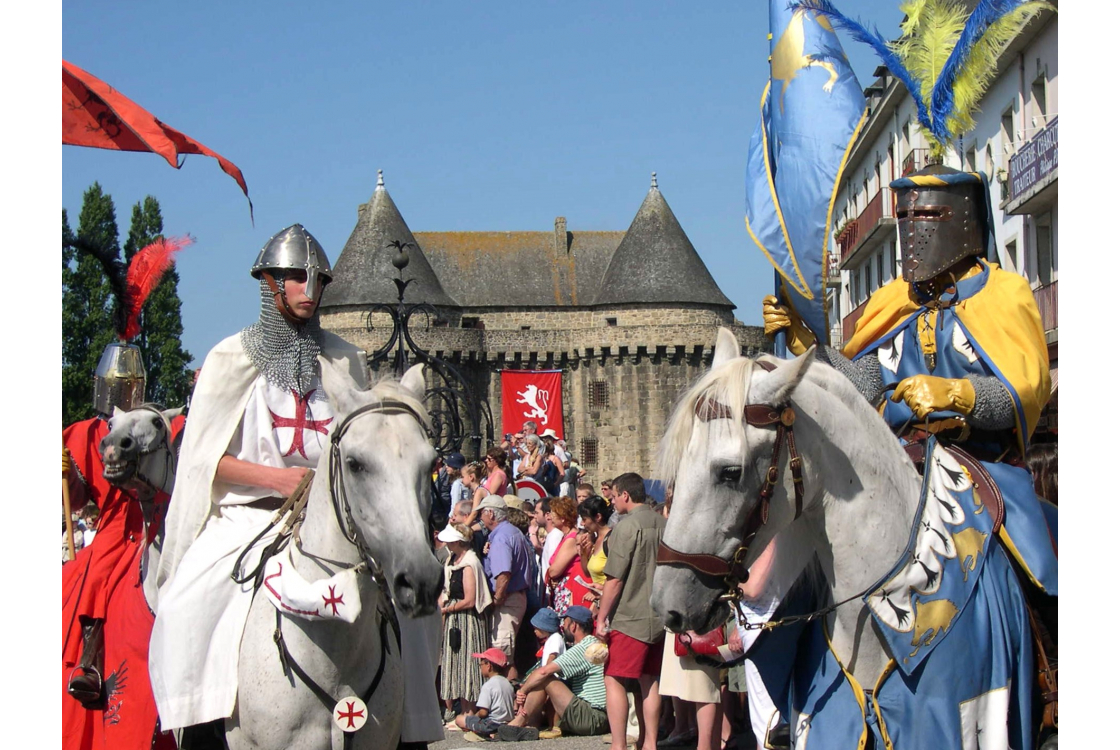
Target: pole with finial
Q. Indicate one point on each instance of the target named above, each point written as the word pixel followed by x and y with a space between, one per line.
pixel 653 181
pixel 380 180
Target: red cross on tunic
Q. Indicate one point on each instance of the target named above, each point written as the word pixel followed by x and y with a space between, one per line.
pixel 350 714
pixel 300 422
pixel 333 601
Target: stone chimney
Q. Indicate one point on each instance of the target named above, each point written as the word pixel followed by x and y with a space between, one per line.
pixel 560 239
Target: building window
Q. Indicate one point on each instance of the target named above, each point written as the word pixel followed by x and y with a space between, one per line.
pixel 892 259
pixel 1038 102
pixel 867 280
pixel 878 270
pixel 612 321
pixel 526 328
pixel 1012 249
pixel 1044 243
pixel 598 394
pixel 853 289
pixel 468 322
pixel 1007 133
pixel 589 452
pixel 970 159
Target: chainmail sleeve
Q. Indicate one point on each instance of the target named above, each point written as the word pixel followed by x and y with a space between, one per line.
pixel 864 373
pixel 994 409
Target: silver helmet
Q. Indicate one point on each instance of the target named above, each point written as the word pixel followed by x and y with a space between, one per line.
pixel 119 379
pixel 295 249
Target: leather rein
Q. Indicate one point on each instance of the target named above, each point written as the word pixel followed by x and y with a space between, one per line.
pixel 734 570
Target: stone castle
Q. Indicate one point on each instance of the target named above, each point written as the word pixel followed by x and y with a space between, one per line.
pixel 629 318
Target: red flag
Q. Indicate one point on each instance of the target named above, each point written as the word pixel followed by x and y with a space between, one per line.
pixel 532 395
pixel 97 115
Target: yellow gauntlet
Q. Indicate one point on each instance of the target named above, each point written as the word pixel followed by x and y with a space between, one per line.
pixel 925 394
pixel 777 317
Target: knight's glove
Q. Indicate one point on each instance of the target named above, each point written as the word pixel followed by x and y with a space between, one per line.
pixel 777 317
pixel 925 394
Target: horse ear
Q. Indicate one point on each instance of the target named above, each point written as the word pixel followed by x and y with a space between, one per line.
pixel 118 411
pixel 170 414
pixel 413 381
pixel 775 387
pixel 727 348
pixel 337 384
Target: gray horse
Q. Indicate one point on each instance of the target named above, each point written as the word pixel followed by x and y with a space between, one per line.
pixel 919 602
pixel 371 504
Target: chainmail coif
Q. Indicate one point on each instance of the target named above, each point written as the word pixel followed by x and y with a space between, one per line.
pixel 284 352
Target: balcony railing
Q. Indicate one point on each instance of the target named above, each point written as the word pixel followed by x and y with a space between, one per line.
pixel 1046 297
pixel 918 158
pixel 880 206
pixel 832 276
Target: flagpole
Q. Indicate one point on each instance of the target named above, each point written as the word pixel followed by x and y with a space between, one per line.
pixel 780 350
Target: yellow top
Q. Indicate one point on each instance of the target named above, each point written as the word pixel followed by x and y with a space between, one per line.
pixel 595 565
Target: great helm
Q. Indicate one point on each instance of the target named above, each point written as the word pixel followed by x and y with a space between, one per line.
pixel 119 379
pixel 291 249
pixel 944 216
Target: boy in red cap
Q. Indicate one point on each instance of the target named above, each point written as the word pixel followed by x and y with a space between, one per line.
pixel 494 706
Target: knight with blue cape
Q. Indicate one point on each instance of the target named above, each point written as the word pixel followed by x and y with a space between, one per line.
pixel 956 343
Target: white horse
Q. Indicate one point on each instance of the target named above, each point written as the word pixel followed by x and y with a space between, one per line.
pixel 860 496
pixel 139 457
pixel 376 482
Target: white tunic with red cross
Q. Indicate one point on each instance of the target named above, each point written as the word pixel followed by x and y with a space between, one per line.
pixel 202 606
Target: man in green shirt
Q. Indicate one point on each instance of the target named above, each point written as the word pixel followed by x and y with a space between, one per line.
pixel 634 631
pixel 572 683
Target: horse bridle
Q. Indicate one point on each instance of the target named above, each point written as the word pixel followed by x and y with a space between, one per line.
pixel 734 570
pixel 339 499
pixel 171 464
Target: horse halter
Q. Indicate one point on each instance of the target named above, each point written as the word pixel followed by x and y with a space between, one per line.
pixel 339 499
pixel 734 571
pixel 171 463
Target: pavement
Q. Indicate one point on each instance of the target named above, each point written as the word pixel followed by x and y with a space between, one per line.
pixel 455 741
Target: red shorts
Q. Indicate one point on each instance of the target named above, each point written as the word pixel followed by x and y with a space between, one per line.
pixel 629 657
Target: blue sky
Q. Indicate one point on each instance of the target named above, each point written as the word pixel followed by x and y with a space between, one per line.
pixel 484 116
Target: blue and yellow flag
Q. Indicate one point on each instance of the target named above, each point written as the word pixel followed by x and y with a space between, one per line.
pixel 811 113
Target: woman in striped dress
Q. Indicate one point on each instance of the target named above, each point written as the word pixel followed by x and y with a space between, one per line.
pixel 465 598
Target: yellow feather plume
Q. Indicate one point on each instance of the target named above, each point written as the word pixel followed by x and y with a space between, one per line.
pixel 980 66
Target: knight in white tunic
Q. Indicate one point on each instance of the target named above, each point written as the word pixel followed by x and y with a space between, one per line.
pixel 259 421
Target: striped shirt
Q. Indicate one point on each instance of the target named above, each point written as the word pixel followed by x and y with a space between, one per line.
pixel 584 678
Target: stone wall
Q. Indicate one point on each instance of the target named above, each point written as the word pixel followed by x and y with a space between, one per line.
pixel 643 362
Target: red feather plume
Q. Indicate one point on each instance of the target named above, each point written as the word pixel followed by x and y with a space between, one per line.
pixel 144 273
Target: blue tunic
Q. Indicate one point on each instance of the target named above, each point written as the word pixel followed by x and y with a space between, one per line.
pixel 958 355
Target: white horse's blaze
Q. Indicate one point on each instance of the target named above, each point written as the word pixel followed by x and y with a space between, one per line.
pixel 934 543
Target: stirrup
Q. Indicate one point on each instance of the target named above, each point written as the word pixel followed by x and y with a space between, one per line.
pixel 83 688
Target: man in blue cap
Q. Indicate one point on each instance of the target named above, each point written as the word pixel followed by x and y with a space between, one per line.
pixel 573 683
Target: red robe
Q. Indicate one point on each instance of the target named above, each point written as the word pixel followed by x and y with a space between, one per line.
pixel 104 582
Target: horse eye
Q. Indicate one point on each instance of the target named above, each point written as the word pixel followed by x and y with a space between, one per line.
pixel 354 465
pixel 730 475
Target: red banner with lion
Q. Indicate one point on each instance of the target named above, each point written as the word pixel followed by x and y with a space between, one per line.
pixel 532 395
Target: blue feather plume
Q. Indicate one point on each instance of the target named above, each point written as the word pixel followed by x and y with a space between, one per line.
pixel 942 99
pixel 875 40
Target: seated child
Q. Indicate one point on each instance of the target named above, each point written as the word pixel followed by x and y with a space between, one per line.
pixel 546 626
pixel 494 706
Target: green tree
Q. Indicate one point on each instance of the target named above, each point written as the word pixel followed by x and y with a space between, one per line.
pixel 87 325
pixel 161 325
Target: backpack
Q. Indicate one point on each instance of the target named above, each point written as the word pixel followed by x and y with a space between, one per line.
pixel 547 475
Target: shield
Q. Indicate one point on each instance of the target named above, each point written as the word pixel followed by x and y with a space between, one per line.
pixel 95 114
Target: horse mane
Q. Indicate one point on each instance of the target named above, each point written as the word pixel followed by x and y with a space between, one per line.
pixel 389 387
pixel 728 384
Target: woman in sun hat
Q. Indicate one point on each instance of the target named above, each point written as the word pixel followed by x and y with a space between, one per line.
pixel 465 598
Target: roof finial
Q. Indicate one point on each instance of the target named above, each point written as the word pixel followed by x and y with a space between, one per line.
pixel 380 181
pixel 653 181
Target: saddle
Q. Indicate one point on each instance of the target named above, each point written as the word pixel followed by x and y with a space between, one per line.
pixel 1041 609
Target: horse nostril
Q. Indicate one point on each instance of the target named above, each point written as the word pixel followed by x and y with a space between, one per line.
pixel 406 595
pixel 674 620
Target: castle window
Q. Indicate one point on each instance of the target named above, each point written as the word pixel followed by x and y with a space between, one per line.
pixel 525 328
pixel 468 322
pixel 589 452
pixel 598 394
pixel 612 321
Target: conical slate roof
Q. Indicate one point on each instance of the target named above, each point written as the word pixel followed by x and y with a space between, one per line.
pixel 656 262
pixel 364 273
